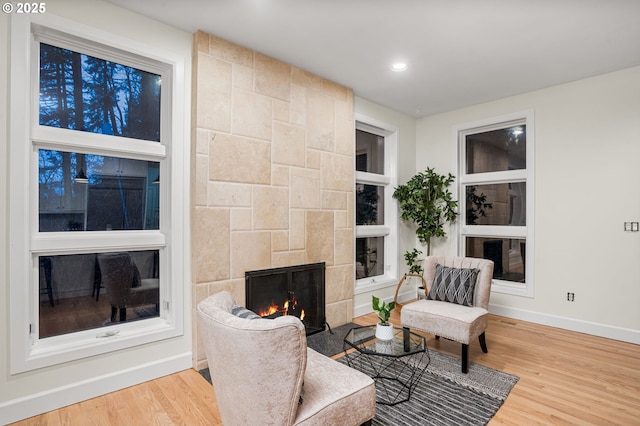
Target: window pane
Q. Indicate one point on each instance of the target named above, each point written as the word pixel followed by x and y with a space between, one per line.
pixel 497 150
pixel 369 205
pixel 369 152
pixel 82 192
pixel 84 93
pixel 507 254
pixel 497 204
pixel 80 291
pixel 369 257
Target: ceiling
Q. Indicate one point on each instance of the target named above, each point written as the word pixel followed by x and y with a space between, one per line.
pixel 459 52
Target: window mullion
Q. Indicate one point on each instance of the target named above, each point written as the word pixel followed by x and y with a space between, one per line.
pixel 65 139
pixel 494 177
pixel 77 242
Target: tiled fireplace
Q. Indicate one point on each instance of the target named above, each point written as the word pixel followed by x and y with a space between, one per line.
pixel 272 176
pixel 292 290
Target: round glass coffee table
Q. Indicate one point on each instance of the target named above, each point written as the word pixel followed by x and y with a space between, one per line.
pixel 395 365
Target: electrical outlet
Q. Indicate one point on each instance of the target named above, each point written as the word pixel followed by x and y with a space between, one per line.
pixel 634 226
pixel 627 227
pixel 571 297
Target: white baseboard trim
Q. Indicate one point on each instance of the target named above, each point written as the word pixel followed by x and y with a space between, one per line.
pixel 572 324
pixel 52 399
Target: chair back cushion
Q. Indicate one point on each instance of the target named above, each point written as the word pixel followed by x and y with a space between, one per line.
pixel 482 290
pixel 257 365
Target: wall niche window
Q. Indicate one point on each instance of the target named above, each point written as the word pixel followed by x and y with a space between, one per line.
pixel 375 214
pixel 496 164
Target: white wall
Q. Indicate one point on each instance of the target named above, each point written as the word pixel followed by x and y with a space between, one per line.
pixel 587 148
pixel 24 395
pixel 406 169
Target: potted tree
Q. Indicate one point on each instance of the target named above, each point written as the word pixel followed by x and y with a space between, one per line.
pixel 427 201
pixel 384 329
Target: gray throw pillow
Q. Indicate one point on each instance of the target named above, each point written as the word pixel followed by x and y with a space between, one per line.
pixel 454 285
pixel 242 312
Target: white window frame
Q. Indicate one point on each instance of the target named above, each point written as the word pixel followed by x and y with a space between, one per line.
pixel 389 231
pixel 27 352
pixel 526 289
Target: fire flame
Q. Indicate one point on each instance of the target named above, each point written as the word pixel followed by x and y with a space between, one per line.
pixel 274 309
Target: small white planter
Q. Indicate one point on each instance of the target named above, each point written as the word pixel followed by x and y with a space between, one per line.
pixel 384 332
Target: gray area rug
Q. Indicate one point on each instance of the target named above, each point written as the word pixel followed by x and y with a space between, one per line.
pixel 443 396
pixel 446 396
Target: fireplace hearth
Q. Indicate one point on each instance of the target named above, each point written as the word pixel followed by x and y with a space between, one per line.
pixel 293 290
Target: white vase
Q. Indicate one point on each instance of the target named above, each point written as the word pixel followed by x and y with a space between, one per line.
pixel 384 332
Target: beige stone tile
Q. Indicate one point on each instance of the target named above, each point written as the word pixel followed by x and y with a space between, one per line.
pixel 201 41
pixel 344 109
pixel 223 194
pixel 339 281
pixel 211 244
pixel 273 77
pixel 297 229
pixel 298 107
pixel 305 188
pixel 251 115
pixel 306 79
pixel 320 121
pixel 279 241
pixel 319 236
pixel 314 159
pixel 334 200
pixel 345 137
pixel 344 247
pixel 250 251
pixel 241 219
pixel 242 77
pixel 201 179
pixel 281 110
pixel 334 90
pixel 338 172
pixel 338 313
pixel 203 137
pixel 287 258
pixel 288 145
pixel 234 286
pixel 279 175
pixel 227 51
pixel 237 159
pixel 270 207
pixel 342 219
pixel 213 94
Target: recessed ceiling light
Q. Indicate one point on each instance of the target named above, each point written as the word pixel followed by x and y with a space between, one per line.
pixel 399 66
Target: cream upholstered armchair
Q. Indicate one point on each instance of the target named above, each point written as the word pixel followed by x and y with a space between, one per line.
pixel 263 373
pixel 458 290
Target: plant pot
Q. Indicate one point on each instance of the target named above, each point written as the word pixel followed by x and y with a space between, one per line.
pixel 421 293
pixel 384 332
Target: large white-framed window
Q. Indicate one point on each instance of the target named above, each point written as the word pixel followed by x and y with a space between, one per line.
pixel 376 236
pixel 96 193
pixel 495 187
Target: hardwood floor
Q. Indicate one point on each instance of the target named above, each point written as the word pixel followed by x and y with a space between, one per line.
pixel 566 378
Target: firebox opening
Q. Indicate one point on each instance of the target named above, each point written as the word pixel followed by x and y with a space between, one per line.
pixel 293 290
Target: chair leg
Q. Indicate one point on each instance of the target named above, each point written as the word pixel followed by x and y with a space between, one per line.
pixel 123 314
pixel 114 310
pixel 465 358
pixel 483 342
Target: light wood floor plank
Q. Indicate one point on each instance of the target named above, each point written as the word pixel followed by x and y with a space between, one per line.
pixel 566 378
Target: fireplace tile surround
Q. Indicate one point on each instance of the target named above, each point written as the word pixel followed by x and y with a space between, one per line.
pixel 273 176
